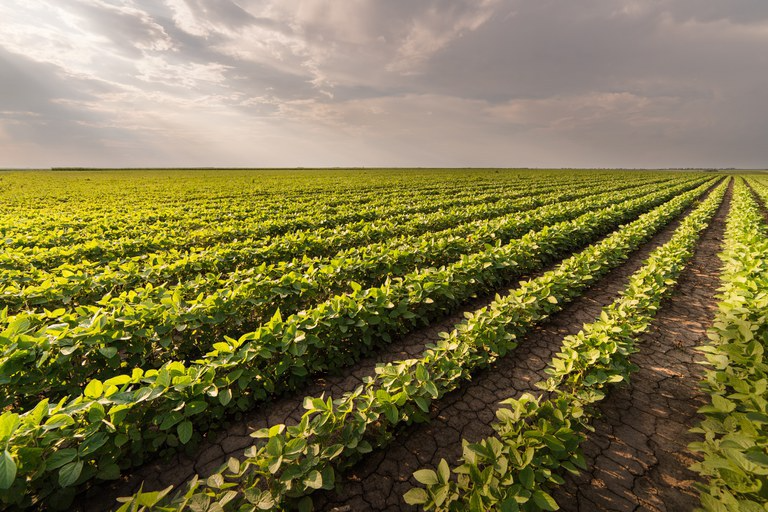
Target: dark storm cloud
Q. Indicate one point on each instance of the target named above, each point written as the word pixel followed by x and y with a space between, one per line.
pixel 547 48
pixel 736 11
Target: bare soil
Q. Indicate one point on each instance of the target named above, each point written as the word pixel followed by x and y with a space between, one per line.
pixel 638 453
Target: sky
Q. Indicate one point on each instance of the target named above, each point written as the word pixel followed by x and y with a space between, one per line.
pixel 428 83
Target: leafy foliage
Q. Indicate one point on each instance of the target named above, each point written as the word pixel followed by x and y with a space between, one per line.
pixel 114 340
pixel 57 351
pixel 735 428
pixel 334 433
pixel 538 438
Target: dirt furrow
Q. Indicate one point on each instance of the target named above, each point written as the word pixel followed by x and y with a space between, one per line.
pixel 638 453
pixel 379 481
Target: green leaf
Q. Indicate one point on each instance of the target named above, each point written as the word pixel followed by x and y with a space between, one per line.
pixel 109 471
pixel 713 504
pixel 544 501
pixel 390 411
pixel 275 446
pixel 426 477
pixel 92 444
pixel 108 352
pixel 274 466
pixel 69 474
pixel 94 389
pixel 7 470
pixel 37 414
pixel 476 503
pixel 68 350
pixel 225 396
pixel 262 499
pixel 59 420
pixel 440 494
pixel 416 496
pixel 170 419
pixel 329 478
pixel 215 481
pixel 422 402
pixel 233 465
pixel 305 504
pixel 30 457
pixel 431 388
pixel 96 413
pixel 60 457
pixel 267 502
pixel 195 407
pixel 17 326
pixel 149 499
pixel 509 505
pixel 9 422
pixel 364 447
pixel 723 404
pixel 527 477
pixel 314 480
pixel 117 381
pixel 184 430
pixel 443 471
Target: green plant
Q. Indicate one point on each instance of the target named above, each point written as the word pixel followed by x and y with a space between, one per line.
pixel 734 433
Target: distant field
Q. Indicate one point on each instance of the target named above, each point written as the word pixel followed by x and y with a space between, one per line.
pixel 152 320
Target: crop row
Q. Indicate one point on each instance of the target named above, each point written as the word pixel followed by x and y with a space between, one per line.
pixel 121 419
pixel 760 188
pixel 308 224
pixel 155 204
pixel 321 241
pixel 44 226
pixel 87 217
pixel 538 438
pixel 89 339
pixel 734 433
pixel 87 283
pixel 292 462
pixel 274 216
pixel 54 353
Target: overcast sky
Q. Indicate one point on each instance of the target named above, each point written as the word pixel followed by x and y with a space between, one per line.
pixel 560 83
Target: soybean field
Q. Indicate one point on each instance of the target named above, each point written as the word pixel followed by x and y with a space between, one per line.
pixel 379 339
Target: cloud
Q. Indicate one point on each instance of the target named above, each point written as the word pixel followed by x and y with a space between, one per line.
pixel 204 17
pixel 437 28
pixel 42 116
pixel 364 82
pixel 128 28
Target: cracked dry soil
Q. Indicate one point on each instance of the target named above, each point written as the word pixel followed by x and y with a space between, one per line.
pixel 638 453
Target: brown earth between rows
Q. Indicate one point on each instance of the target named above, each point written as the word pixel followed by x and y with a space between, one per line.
pixel 638 455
